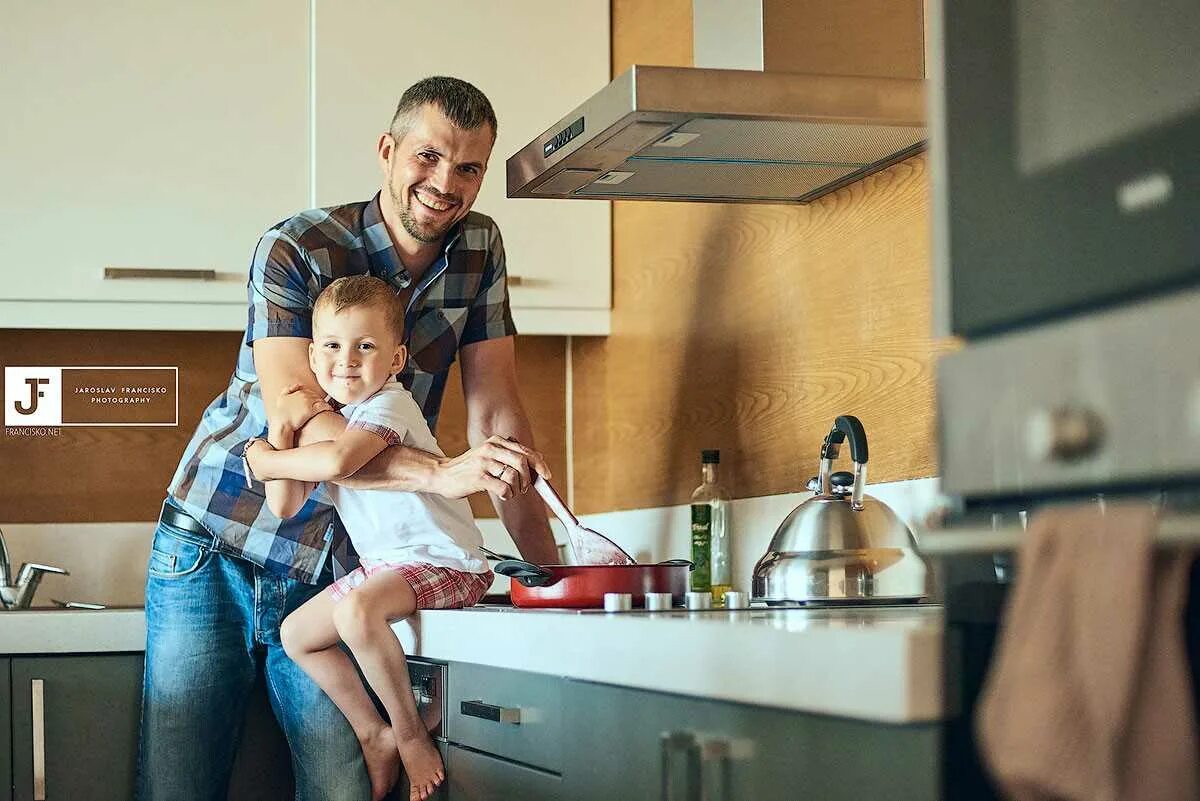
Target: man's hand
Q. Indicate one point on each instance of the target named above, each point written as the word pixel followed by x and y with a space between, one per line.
pixel 296 404
pixel 500 466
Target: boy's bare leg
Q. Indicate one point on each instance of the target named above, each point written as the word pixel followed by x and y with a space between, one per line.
pixel 363 621
pixel 310 639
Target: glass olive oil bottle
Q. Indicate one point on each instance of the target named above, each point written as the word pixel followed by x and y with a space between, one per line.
pixel 710 532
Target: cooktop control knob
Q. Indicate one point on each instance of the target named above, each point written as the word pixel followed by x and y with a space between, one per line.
pixel 1063 434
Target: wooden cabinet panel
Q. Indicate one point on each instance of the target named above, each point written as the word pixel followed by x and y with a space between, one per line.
pixel 107 485
pixel 749 328
pixel 171 138
pixel 535 61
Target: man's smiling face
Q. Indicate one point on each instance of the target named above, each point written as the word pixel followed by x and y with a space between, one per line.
pixel 434 172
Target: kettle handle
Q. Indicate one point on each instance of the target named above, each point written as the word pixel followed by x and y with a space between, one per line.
pixel 846 427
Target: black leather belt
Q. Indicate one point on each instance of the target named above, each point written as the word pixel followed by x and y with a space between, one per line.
pixel 180 519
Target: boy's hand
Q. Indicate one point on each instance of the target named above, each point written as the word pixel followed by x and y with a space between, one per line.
pixel 297 404
pixel 256 448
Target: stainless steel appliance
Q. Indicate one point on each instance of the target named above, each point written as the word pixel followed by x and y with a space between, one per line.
pixel 1067 253
pixel 753 133
pixel 1066 189
pixel 840 545
pixel 428 682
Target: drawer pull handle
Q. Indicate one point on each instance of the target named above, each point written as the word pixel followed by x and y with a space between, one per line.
pixel 111 273
pixel 37 692
pixel 680 777
pixel 500 714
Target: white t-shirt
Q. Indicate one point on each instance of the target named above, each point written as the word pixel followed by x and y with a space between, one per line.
pixel 396 526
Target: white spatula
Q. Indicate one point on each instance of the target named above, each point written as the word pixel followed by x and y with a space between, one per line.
pixel 591 547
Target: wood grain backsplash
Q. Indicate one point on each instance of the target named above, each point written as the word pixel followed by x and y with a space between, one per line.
pixel 749 328
pixel 121 474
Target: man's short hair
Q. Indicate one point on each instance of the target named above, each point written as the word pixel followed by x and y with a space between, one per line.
pixel 463 104
pixel 363 290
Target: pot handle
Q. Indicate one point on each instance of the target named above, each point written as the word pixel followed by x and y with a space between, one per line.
pixel 845 427
pixel 527 573
pixel 679 563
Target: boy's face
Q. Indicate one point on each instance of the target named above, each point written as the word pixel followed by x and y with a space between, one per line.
pixel 354 352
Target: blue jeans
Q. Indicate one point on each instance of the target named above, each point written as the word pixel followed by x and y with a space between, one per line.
pixel 211 619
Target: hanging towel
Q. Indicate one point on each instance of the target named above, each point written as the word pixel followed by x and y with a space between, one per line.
pixel 1089 697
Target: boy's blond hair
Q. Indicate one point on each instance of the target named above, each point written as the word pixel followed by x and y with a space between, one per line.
pixel 363 290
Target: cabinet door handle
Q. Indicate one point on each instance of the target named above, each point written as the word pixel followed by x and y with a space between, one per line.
pixel 500 714
pixel 113 273
pixel 39 740
pixel 685 787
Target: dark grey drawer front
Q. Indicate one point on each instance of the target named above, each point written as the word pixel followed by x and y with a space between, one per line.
pixel 635 744
pixel 509 713
pixel 478 777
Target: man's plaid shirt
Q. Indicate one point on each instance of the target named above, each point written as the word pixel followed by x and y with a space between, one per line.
pixel 462 298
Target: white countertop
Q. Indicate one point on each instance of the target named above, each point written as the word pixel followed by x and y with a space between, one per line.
pixel 72 631
pixel 875 664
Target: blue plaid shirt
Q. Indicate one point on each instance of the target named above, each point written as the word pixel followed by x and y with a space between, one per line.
pixel 462 298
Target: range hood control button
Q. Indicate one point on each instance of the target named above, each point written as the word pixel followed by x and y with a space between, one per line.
pixel 1062 434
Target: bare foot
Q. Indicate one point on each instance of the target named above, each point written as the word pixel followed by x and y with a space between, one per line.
pixel 422 764
pixel 383 763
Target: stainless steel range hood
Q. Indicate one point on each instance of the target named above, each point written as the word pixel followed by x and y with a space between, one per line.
pixel 724 135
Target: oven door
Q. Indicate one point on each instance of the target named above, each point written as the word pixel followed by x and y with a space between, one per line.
pixel 1064 144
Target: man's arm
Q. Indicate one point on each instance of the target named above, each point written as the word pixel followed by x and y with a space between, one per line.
pixel 282 364
pixel 494 411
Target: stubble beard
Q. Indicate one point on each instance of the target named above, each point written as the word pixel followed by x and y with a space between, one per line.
pixel 426 234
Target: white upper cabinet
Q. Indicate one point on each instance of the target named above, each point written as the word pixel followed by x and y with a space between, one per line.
pixel 144 135
pixel 167 136
pixel 535 61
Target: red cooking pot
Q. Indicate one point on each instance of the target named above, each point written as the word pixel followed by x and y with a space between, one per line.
pixel 584 586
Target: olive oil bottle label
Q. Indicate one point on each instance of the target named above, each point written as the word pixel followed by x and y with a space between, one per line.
pixel 701 575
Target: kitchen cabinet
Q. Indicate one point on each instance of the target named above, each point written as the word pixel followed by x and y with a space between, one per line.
pixel 472 776
pixel 90 710
pixel 75 726
pixel 534 61
pixel 177 133
pixel 505 730
pixel 6 752
pixel 173 135
pixel 509 713
pixel 626 743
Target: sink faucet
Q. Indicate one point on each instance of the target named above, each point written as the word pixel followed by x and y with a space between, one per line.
pixel 20 594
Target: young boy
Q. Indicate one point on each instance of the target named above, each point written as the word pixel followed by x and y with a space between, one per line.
pixel 417 550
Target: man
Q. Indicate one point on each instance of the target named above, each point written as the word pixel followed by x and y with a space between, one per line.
pixel 223 570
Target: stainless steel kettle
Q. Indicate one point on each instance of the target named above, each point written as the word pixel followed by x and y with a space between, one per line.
pixel 840 545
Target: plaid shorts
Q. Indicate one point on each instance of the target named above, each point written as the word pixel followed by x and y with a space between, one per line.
pixel 436 587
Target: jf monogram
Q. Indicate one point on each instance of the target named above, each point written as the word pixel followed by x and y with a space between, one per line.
pixel 34 394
